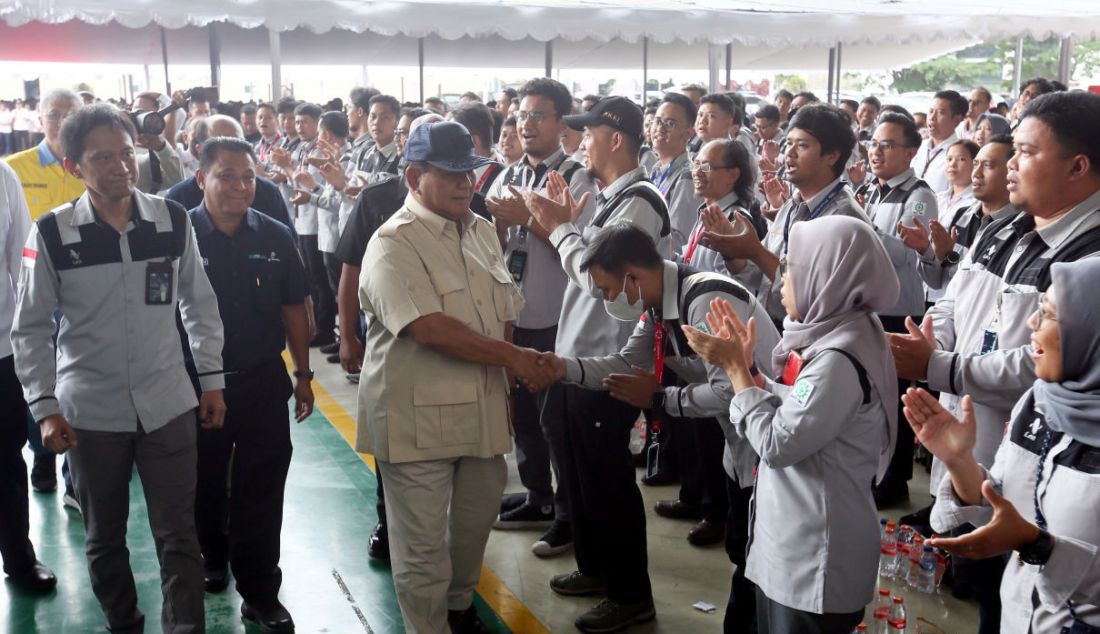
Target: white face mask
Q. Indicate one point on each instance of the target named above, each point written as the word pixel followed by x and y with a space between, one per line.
pixel 622 309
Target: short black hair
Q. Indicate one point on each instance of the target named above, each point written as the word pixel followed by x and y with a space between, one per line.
pixel 694 88
pixel 208 154
pixel 249 108
pixel 336 123
pixel 724 102
pixel 594 99
pixel 309 110
pixel 551 89
pixel 360 97
pixel 739 105
pixel 510 93
pixel 896 109
pixel 79 124
pixel 970 147
pixel 471 95
pixel 1058 85
pixel 414 112
pixel 807 95
pixel 684 102
pixel 621 245
pixel 768 112
pixel 286 105
pixel 872 100
pixel 498 123
pixel 389 101
pixel 984 91
pixel 477 118
pixel 957 102
pixel 851 103
pixel 1073 119
pixel 783 93
pixel 1003 139
pixel 509 122
pixel 266 104
pixel 908 127
pixel 830 127
pixel 1044 85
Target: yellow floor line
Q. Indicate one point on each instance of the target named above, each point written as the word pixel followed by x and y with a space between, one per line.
pixel 507 605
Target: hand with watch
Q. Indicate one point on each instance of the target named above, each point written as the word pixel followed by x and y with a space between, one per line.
pixel 303 394
pixel 1008 530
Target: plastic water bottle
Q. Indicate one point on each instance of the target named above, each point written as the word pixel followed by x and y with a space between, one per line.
pixel 901 565
pixel 897 621
pixel 860 629
pixel 887 559
pixel 881 615
pixel 912 567
pixel 926 579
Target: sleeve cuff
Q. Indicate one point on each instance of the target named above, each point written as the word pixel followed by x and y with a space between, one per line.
pixel 940 366
pixel 559 234
pixel 745 401
pixel 1069 563
pixel 210 382
pixel 928 256
pixel 673 403
pixel 44 407
pixel 949 512
pixel 574 373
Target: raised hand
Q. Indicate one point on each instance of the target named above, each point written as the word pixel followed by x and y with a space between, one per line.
pixel 280 157
pixel 913 351
pixel 635 389
pixel 916 238
pixel 776 191
pixel 942 241
pixel 948 438
pixel 558 207
pixel 509 210
pixel 735 239
pixel 334 174
pixel 857 173
pixel 305 179
pixel 1008 530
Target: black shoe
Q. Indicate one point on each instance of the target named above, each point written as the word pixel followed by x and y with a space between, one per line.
pixel 333 358
pixel 510 501
pixel 378 547
pixel 216 579
pixel 322 340
pixel 677 510
pixel 660 479
pixel 332 348
pixel 44 473
pixel 37 578
pixel 466 622
pixel 707 533
pixel 577 584
pixel 525 516
pixel 890 495
pixel 919 520
pixel 557 540
pixel 270 618
pixel 613 616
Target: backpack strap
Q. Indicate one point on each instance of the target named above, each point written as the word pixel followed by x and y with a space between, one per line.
pixel 861 372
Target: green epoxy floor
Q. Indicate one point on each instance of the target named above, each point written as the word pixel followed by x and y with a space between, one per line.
pixel 329 514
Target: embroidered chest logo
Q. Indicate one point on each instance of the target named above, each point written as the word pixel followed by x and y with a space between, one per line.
pixel 1032 432
pixel 801 391
pixel 918 209
pixel 75 256
pixel 273 257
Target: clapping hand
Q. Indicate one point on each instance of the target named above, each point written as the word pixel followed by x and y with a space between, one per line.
pixel 558 206
pixel 942 241
pixel 948 438
pixel 857 173
pixel 916 238
pixel 509 210
pixel 736 239
pixel 635 389
pixel 730 344
pixel 776 191
pixel 280 157
pixel 1008 530
pixel 305 179
pixel 913 351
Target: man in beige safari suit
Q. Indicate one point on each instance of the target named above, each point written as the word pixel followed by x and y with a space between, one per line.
pixel 433 399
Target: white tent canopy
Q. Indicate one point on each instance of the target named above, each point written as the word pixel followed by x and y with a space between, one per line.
pixel 787 23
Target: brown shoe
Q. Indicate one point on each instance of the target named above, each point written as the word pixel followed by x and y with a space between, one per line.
pixel 677 510
pixel 707 533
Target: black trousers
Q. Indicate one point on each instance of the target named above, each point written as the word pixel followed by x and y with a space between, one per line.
pixel 242 471
pixel 741 608
pixel 537 442
pixel 900 470
pixel 702 477
pixel 333 267
pixel 324 297
pixel 15 543
pixel 606 507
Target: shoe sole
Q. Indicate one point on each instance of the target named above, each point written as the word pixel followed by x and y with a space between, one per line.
pixel 618 627
pixel 504 525
pixel 251 617
pixel 594 592
pixel 550 551
pixel 44 489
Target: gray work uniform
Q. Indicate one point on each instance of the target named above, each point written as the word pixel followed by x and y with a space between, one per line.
pixel 997 289
pixel 1033 598
pixel 948 206
pixel 814 542
pixel 438 425
pixel 117 375
pixel 674 181
pixel 968 221
pixel 796 210
pixel 707 391
pixel 328 201
pixel 903 198
pixel 697 254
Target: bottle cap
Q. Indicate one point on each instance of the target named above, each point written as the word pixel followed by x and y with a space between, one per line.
pixel 899 600
pixel 884 592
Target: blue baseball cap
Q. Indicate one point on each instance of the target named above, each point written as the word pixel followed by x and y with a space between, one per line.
pixel 444 144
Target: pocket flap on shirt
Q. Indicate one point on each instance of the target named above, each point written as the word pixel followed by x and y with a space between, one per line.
pixel 445 393
pixel 446 281
pixel 501 274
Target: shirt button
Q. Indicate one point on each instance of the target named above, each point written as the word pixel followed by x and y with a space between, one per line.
pixel 479 302
pixel 1020 249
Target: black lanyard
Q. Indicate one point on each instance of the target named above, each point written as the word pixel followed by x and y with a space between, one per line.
pixel 813 213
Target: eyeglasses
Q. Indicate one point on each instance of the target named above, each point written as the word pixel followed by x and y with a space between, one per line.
pixel 885 146
pixel 535 117
pixel 707 168
pixel 668 124
pixel 401 134
pixel 1042 313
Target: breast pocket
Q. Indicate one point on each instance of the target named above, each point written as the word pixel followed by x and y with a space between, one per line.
pixel 267 295
pixel 1015 310
pixel 453 295
pixel 506 298
pixel 446 414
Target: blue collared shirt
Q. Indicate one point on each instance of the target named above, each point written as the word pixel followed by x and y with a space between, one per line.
pixel 268 201
pixel 45 156
pixel 254 273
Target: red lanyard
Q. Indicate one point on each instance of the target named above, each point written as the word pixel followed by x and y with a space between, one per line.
pixel 266 149
pixel 696 236
pixel 658 362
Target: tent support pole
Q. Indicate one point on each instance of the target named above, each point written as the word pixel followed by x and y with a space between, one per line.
pixel 549 57
pixel 839 48
pixel 729 65
pixel 215 55
pixel 164 57
pixel 1065 57
pixel 645 70
pixel 420 58
pixel 275 49
pixel 832 70
pixel 713 51
pixel 1018 70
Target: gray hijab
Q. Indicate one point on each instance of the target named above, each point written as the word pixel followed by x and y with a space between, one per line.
pixel 1073 406
pixel 842 276
pixel 997 123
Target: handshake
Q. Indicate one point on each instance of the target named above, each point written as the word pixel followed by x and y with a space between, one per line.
pixel 536 370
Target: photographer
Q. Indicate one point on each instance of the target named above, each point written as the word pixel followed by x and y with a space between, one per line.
pixel 159 167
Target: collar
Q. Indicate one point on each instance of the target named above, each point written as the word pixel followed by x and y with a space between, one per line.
pixel 361 140
pixel 1003 212
pixel 549 160
pixel 1064 228
pixel 724 203
pixel 816 199
pixel 675 165
pixel 146 206
pixel 622 182
pixel 899 179
pixel 946 143
pixel 670 298
pixel 436 223
pixel 45 156
pixel 204 224
pixel 386 151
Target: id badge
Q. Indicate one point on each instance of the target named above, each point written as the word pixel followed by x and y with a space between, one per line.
pixel 989 342
pixel 652 456
pixel 158 283
pixel 792 369
pixel 517 264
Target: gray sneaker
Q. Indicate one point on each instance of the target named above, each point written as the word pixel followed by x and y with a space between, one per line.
pixel 612 616
pixel 576 584
pixel 69 500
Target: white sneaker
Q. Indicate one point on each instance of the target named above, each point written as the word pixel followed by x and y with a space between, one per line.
pixel 70 501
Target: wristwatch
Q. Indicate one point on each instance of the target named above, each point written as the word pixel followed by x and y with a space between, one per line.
pixel 658 402
pixel 1037 552
pixel 952 258
pixel 304 374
